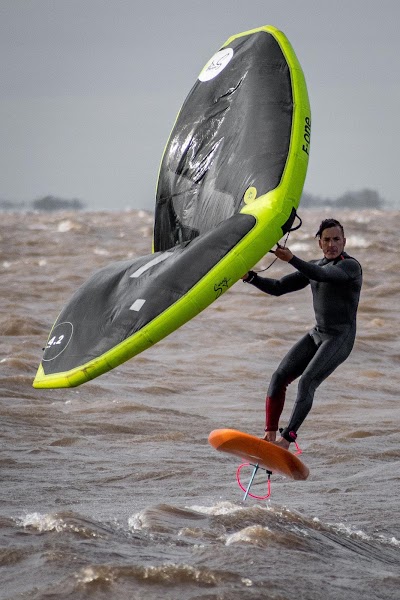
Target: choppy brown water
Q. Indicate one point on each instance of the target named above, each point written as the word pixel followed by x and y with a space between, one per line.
pixel 110 490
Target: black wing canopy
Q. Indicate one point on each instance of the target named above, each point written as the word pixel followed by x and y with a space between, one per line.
pixel 233 131
pixel 119 300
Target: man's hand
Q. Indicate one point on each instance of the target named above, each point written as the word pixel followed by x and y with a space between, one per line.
pixel 283 253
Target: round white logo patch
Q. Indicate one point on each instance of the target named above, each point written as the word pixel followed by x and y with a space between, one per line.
pixel 216 64
pixel 61 336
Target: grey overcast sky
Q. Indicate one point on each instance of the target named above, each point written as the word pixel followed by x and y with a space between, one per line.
pixel 90 90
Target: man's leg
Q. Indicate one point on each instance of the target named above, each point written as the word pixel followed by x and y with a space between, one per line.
pixel 290 368
pixel 331 353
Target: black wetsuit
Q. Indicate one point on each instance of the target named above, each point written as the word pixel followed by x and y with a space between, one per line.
pixel 336 289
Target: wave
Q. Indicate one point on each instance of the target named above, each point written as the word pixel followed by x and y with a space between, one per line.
pixel 170 551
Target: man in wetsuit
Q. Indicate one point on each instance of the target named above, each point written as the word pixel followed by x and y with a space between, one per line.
pixel 335 282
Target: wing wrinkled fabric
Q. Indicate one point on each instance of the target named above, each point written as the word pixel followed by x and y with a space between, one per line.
pixel 233 131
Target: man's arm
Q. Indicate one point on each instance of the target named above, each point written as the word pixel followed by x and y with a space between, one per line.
pixel 343 271
pixel 277 287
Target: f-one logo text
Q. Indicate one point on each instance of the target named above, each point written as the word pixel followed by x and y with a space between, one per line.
pixel 307 136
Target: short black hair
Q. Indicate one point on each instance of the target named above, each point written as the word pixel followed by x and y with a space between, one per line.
pixel 326 224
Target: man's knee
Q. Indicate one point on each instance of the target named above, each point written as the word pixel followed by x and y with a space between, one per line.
pixel 279 382
pixel 306 389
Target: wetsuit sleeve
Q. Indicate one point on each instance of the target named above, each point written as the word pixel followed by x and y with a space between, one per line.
pixel 278 287
pixel 341 272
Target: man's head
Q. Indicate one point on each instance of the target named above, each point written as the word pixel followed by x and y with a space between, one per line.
pixel 331 238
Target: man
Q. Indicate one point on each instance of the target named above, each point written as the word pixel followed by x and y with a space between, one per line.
pixel 335 282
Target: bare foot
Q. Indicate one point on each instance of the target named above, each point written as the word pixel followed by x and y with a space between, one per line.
pixel 270 436
pixel 282 443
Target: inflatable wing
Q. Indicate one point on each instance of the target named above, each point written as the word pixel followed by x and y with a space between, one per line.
pixel 230 182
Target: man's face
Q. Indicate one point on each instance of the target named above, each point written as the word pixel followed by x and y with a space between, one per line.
pixel 332 242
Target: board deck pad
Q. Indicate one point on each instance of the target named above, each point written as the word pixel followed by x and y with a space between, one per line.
pixel 258 451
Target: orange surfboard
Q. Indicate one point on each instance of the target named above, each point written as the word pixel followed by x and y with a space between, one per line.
pixel 258 451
